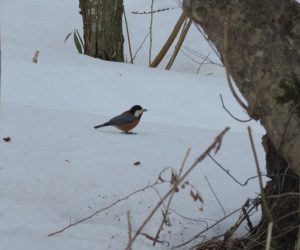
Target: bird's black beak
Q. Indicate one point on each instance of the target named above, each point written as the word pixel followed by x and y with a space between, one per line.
pixel 145 110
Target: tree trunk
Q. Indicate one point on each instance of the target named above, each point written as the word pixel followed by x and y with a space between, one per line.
pixel 263 55
pixel 260 41
pixel 102 26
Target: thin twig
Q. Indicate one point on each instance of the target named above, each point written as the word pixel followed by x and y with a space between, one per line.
pixel 103 209
pixel 230 175
pixel 269 236
pixel 201 56
pixel 143 42
pixel 152 238
pixel 263 195
pixel 129 227
pixel 218 200
pixel 227 236
pixel 0 66
pixel 286 127
pixel 226 64
pixel 150 12
pixel 188 218
pixel 203 61
pixel 283 195
pixel 208 41
pixel 208 228
pixel 234 117
pixel 150 31
pixel 175 187
pixel 128 36
pixel 249 223
pixel 215 145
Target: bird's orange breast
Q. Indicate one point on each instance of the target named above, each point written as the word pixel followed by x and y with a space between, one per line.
pixel 129 126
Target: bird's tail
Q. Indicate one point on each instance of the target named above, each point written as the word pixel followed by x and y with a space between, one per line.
pixel 102 125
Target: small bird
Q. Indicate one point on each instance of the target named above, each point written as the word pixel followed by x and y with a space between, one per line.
pixel 127 120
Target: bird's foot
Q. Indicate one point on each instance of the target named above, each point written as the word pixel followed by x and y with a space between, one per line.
pixel 129 133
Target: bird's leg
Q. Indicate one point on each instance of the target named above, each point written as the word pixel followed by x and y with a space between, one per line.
pixel 129 133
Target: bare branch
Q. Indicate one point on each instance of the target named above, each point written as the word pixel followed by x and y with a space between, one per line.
pixel 234 117
pixel 150 32
pixel 103 209
pixel 218 200
pixel 152 238
pixel 230 175
pixel 128 36
pixel 150 12
pixel 188 218
pixel 203 61
pixel 143 42
pixel 226 64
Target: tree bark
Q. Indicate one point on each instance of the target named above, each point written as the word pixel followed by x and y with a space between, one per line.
pixel 259 41
pixel 102 26
pixel 263 55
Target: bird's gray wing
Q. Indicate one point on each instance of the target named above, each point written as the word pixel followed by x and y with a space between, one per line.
pixel 122 119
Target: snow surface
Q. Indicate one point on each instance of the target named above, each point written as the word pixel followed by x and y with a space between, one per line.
pixel 58 169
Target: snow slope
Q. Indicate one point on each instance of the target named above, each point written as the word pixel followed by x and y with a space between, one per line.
pixel 58 169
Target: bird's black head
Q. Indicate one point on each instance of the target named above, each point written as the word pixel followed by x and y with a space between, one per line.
pixel 137 110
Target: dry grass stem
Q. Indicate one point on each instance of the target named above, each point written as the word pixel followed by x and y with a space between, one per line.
pixel 261 186
pixel 198 235
pixel 215 145
pixel 129 227
pixel 179 43
pixel 175 187
pixel 128 36
pixel 150 32
pixel 169 42
pixel 269 236
pixel 0 66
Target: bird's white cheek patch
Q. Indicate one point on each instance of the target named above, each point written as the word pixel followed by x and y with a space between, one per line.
pixel 138 113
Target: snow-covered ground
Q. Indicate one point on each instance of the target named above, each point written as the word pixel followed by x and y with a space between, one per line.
pixel 57 169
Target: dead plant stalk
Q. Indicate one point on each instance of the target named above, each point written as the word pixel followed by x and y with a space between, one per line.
pixel 226 64
pixel 128 37
pixel 169 42
pixel 129 227
pixel 171 197
pixel 150 30
pixel 263 195
pixel 180 41
pixel 216 144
